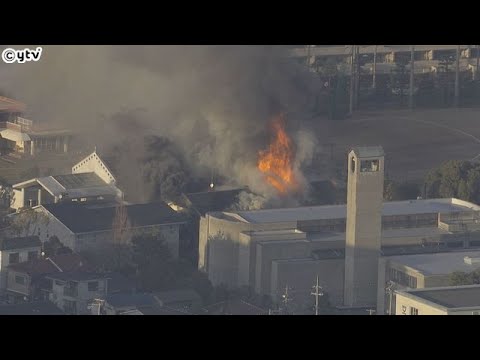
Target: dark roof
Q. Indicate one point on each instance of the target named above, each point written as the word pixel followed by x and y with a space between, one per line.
pixel 220 200
pixel 78 181
pixel 172 296
pixel 20 243
pixel 33 308
pixel 82 218
pixel 44 266
pixel 129 299
pixel 76 276
pixel 454 297
pixel 164 310
pixel 234 307
pixel 119 283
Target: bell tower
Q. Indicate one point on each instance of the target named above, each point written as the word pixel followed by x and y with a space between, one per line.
pixel 364 225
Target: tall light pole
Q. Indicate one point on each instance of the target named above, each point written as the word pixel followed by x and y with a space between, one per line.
pixel 317 293
pixel 412 76
pixel 352 78
pixel 457 77
pixel 374 76
pixel 478 61
pixel 390 296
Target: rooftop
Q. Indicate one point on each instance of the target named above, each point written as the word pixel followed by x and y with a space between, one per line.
pixel 46 266
pixel 76 276
pixel 438 263
pixel 452 297
pixel 33 308
pixel 20 243
pixel 83 218
pixel 409 207
pixel 217 200
pixel 10 105
pixel 177 296
pixel 368 151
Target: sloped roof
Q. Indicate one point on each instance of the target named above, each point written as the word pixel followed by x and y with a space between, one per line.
pixel 83 218
pixel 20 242
pixel 76 276
pixel 13 135
pixel 46 266
pixel 177 296
pixel 234 307
pixel 218 200
pixel 32 308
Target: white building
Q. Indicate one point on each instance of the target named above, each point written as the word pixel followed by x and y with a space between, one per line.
pixel 83 227
pixel 452 300
pixel 91 181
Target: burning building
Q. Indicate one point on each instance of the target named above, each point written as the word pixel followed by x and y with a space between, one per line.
pixel 341 244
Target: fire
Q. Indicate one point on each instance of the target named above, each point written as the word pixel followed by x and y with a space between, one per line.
pixel 276 161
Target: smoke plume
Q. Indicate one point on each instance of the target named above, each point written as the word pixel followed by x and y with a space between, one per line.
pixel 169 114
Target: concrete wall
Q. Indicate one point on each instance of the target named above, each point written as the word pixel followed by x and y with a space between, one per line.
pixel 300 274
pixel 58 297
pixel 12 285
pixel 266 252
pixel 404 305
pixel 363 236
pixel 4 262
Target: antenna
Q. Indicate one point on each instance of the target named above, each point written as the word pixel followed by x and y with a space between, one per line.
pixel 286 299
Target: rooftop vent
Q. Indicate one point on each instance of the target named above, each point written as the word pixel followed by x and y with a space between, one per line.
pixel 471 260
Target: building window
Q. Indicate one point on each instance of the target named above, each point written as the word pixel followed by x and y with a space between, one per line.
pixel 413 311
pixel 32 255
pixel 403 279
pixel 13 258
pixel 369 165
pixel 476 313
pixel 19 280
pixel 93 286
pixel 352 165
pixel 83 199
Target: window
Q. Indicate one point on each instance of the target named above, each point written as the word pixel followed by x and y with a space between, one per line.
pixel 83 199
pixel 352 165
pixel 413 311
pixel 475 313
pixel 59 283
pixel 70 307
pixel 32 255
pixel 403 279
pixel 93 286
pixel 369 165
pixel 13 258
pixel 19 280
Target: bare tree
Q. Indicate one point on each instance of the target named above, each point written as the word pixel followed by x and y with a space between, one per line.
pixel 121 225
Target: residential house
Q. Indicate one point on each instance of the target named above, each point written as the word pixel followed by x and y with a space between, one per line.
pixel 73 292
pixel 91 181
pixel 87 227
pixel 14 251
pixel 26 280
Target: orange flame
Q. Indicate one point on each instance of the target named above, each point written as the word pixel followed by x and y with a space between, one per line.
pixel 276 161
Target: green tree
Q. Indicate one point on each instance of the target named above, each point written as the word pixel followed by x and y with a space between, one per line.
pixel 394 191
pixel 460 179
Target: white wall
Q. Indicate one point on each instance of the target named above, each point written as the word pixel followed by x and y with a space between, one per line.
pixel 4 261
pixel 93 163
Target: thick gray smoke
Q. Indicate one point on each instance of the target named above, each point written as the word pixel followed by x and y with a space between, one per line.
pixel 212 103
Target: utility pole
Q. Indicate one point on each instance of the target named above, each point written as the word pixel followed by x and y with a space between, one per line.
pixel 357 77
pixel 374 78
pixel 390 293
pixel 317 292
pixel 478 61
pixel 412 76
pixel 457 77
pixel 286 299
pixel 308 56
pixel 352 79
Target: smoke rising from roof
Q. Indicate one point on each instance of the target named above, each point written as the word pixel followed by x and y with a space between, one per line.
pixel 212 103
